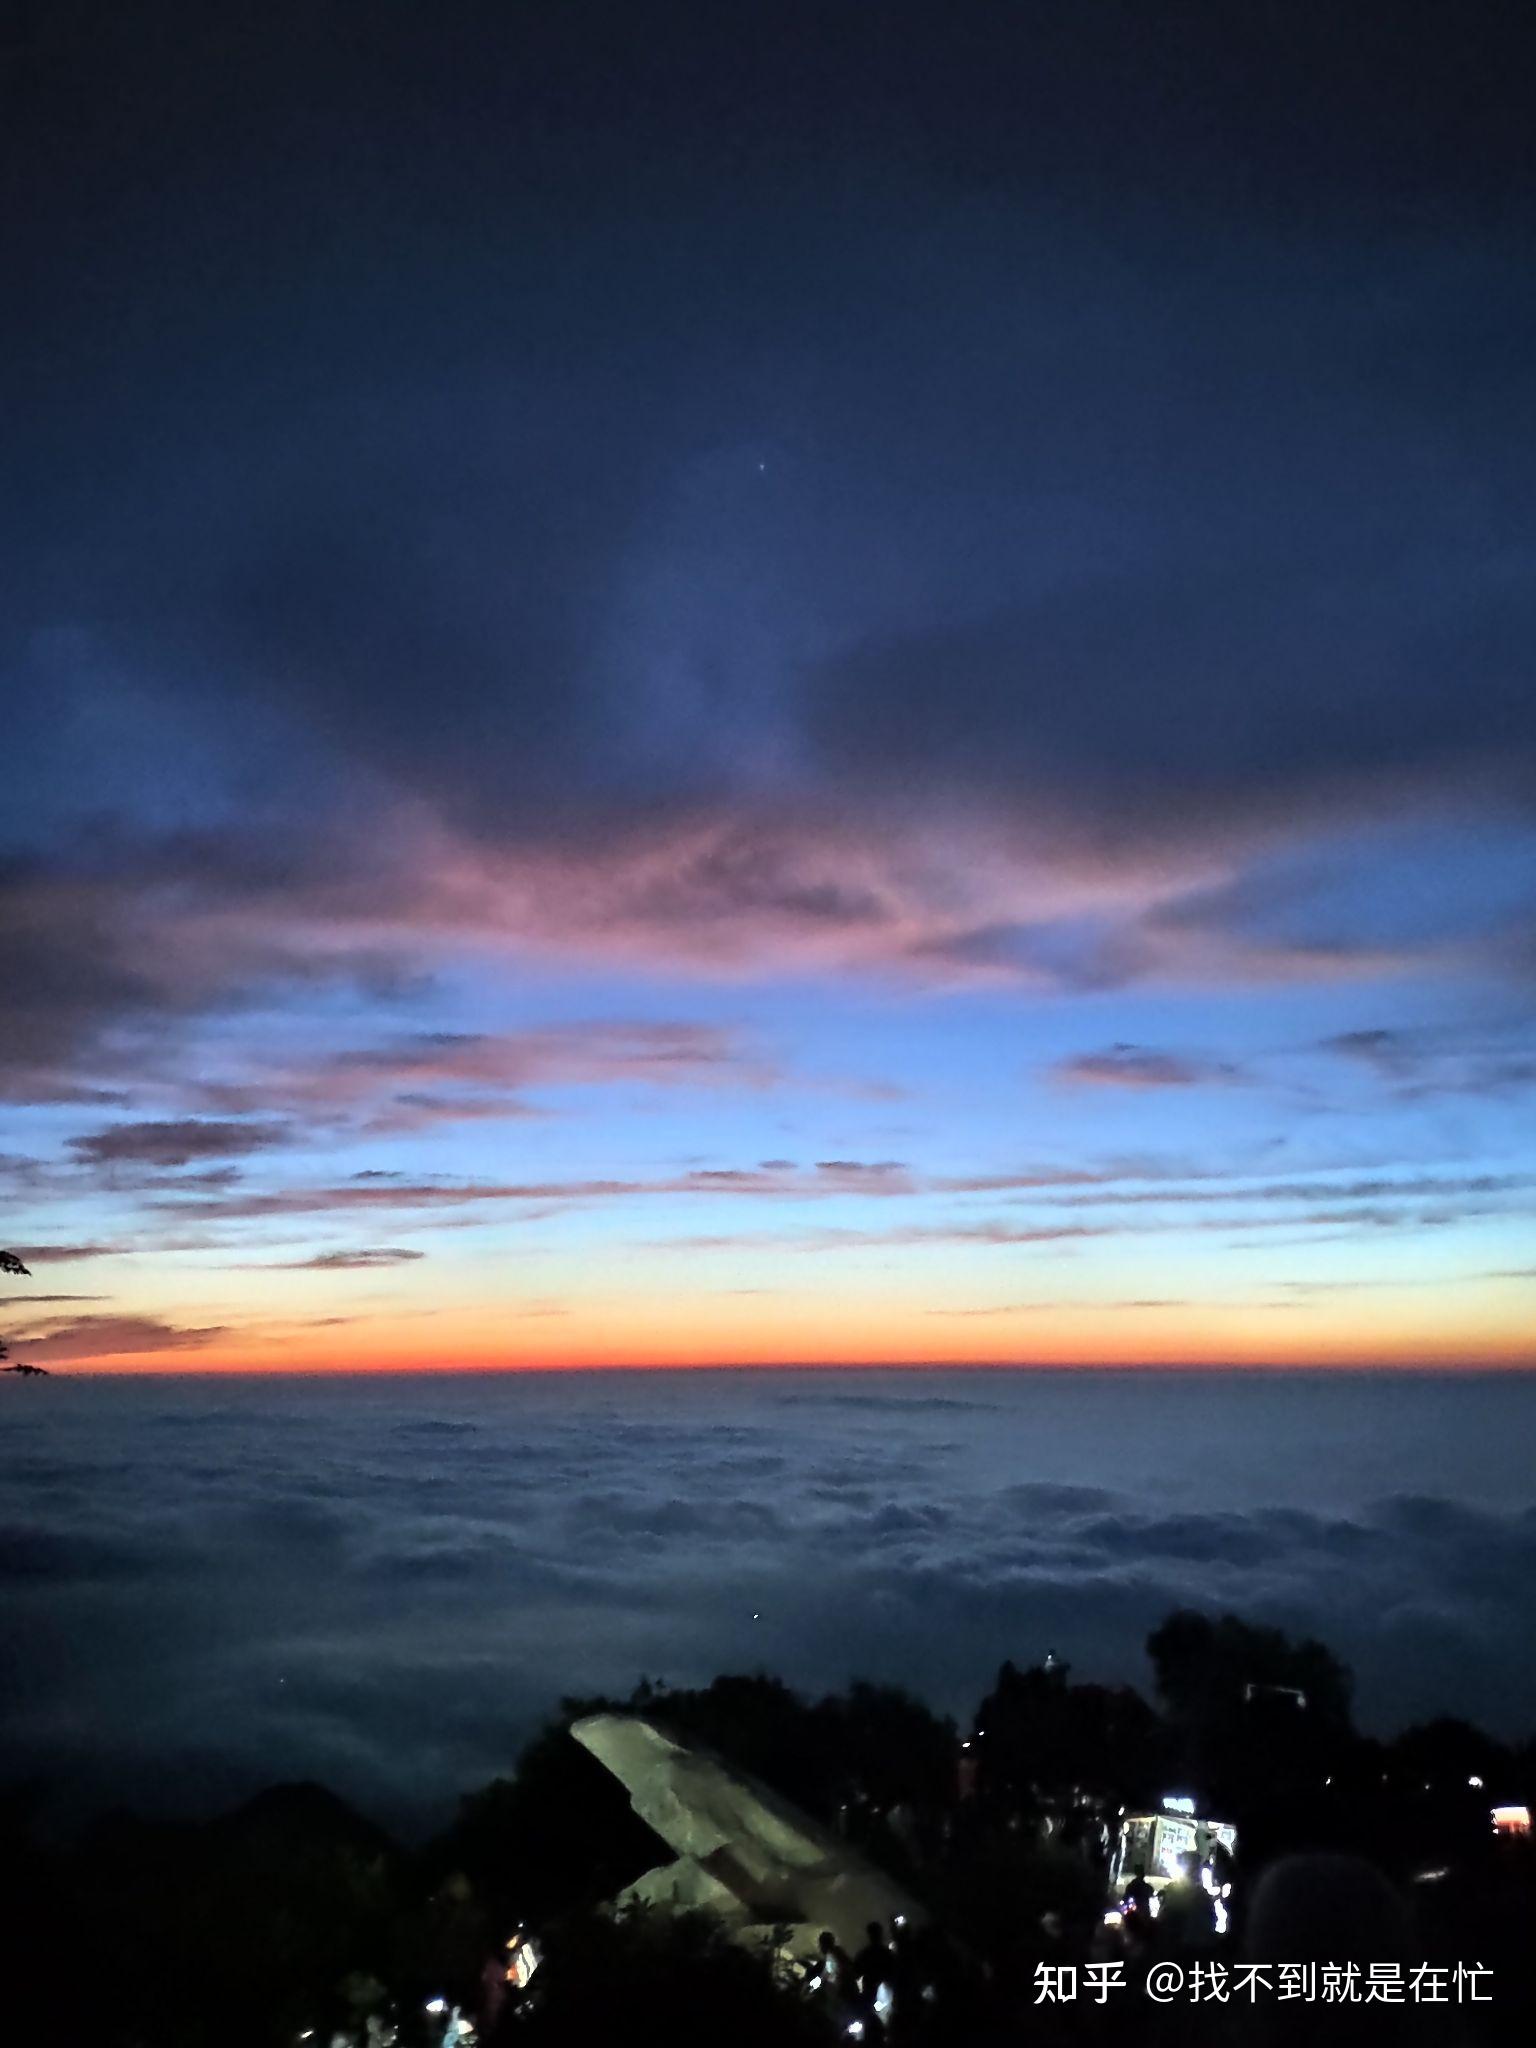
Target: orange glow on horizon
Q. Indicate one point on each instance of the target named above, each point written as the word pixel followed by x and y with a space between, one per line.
pixel 793 1345
pixel 913 1322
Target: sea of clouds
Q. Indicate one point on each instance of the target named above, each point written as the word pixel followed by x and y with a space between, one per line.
pixel 207 1585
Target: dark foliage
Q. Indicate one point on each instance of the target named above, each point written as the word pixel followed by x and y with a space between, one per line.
pixel 1253 1716
pixel 295 1912
pixel 556 1838
pixel 1040 1737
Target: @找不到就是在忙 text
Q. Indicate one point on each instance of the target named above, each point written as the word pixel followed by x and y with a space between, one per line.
pixel 1201 1983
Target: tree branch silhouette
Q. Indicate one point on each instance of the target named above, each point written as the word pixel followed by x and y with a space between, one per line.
pixel 9 1263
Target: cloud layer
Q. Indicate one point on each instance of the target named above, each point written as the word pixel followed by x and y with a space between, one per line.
pixel 208 1585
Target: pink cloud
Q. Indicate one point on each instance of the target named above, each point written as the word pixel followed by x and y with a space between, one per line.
pixel 137 936
pixel 386 1191
pixel 423 1077
pixel 111 1337
pixel 60 1254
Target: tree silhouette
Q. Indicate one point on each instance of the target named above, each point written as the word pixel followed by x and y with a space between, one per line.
pixel 9 1263
pixel 1250 1709
pixel 1038 1736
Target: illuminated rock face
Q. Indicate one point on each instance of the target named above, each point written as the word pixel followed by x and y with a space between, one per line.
pixel 743 1853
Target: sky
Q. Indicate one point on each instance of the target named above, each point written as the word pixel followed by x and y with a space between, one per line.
pixel 840 683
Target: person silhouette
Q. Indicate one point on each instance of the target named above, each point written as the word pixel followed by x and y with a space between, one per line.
pixel 1186 1916
pixel 1136 1906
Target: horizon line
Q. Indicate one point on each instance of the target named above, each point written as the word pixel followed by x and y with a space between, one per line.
pixel 1488 1368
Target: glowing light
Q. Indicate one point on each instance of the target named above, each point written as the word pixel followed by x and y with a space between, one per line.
pixel 1178 1804
pixel 522 1958
pixel 1511 1820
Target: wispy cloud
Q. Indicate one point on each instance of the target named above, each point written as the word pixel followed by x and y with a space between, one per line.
pixel 1396 1187
pixel 1416 1065
pixel 424 1077
pixel 106 1336
pixel 38 1300
pixel 178 1143
pixel 61 1254
pixel 1134 1066
pixel 366 1259
pixel 1030 1308
pixel 385 1190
